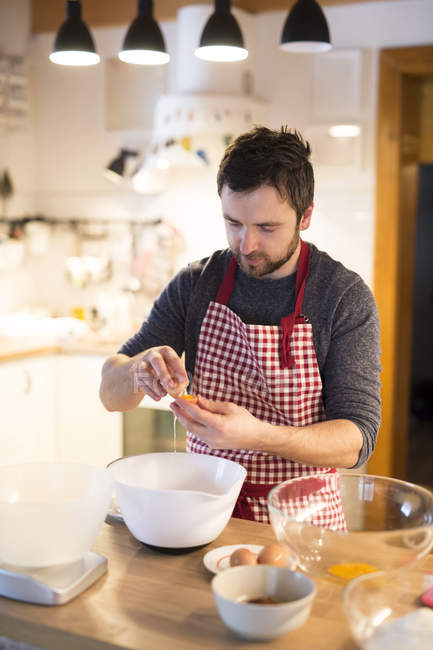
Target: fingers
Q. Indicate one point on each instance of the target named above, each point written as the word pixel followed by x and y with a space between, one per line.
pixel 183 417
pixel 168 369
pixel 176 368
pixel 208 434
pixel 214 407
pixel 192 425
pixel 198 412
pixel 192 413
pixel 146 381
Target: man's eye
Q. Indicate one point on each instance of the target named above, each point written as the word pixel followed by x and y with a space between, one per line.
pixel 267 229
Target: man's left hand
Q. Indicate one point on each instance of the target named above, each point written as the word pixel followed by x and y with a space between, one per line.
pixel 221 425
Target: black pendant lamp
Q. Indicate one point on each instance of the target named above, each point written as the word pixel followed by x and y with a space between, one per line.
pixel 144 42
pixel 222 39
pixel 74 44
pixel 306 29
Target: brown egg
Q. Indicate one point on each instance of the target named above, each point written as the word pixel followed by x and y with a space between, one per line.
pixel 272 554
pixel 242 556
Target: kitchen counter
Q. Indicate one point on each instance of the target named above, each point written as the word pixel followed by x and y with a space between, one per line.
pixel 158 601
pixel 12 349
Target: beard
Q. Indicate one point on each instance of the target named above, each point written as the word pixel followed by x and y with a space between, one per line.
pixel 267 264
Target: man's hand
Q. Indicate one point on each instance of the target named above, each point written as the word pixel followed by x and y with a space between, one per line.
pixel 224 425
pixel 155 372
pixel 221 425
pixel 159 371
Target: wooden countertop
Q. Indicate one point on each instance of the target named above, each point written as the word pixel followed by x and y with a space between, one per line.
pixel 13 349
pixel 159 602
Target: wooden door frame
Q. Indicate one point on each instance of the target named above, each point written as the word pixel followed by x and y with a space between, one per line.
pixel 401 70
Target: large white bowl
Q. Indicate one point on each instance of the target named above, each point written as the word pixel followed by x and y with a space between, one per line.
pixel 176 500
pixel 293 590
pixel 50 513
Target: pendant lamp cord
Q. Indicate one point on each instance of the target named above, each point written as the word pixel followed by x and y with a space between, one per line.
pixel 222 5
pixel 145 8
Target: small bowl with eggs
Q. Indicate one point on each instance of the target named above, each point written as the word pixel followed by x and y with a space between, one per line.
pixel 261 602
pixel 176 501
pixel 224 557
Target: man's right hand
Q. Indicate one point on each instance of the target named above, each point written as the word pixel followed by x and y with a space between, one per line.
pixel 159 371
pixel 154 372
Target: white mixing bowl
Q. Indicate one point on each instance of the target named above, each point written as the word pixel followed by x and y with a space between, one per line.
pixel 50 513
pixel 176 500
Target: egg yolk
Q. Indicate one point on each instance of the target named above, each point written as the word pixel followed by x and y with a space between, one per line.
pixel 351 570
pixel 190 398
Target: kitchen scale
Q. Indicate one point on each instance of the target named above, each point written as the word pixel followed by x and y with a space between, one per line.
pixel 52 585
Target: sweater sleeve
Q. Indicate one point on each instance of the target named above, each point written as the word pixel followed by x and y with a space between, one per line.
pixel 351 373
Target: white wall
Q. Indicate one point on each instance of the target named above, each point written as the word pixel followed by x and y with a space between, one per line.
pixel 343 222
pixel 56 163
pixel 72 144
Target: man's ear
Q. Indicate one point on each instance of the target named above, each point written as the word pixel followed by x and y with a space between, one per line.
pixel 306 218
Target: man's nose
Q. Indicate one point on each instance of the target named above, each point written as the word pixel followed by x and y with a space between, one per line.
pixel 248 243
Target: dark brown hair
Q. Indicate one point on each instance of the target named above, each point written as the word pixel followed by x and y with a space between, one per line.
pixel 266 157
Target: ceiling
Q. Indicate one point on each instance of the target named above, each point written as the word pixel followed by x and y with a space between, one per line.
pixel 47 15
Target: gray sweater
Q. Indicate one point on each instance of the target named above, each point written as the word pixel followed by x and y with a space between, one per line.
pixel 339 305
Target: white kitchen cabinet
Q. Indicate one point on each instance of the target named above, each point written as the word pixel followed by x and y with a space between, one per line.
pixel 27 410
pixel 86 432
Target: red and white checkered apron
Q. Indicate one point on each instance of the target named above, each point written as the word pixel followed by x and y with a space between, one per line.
pixel 271 371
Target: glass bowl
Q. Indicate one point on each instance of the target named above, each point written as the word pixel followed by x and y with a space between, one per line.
pixel 384 611
pixel 347 524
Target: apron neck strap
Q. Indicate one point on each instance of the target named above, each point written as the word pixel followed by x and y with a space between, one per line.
pixel 287 323
pixel 226 287
pixel 301 276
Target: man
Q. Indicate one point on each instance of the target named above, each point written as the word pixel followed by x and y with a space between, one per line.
pixel 281 342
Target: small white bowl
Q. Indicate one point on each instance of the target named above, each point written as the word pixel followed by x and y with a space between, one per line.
pixel 176 500
pixel 233 588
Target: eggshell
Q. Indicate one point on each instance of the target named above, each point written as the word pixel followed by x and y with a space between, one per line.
pixel 242 556
pixel 177 390
pixel 272 554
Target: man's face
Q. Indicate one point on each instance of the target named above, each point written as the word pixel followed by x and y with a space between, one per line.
pixel 262 231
